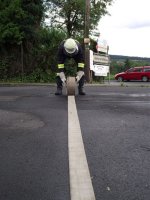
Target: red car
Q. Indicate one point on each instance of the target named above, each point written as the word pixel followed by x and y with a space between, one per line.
pixel 135 73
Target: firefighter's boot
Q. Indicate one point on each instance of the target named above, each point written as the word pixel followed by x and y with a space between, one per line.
pixel 59 86
pixel 80 87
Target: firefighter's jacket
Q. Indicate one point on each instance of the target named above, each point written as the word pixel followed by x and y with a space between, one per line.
pixel 77 56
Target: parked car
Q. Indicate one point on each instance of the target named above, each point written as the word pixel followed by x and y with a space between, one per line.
pixel 135 73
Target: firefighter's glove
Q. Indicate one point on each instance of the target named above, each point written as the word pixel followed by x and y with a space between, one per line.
pixel 62 77
pixel 79 75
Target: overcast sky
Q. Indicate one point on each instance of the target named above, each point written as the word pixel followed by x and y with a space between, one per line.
pixel 127 30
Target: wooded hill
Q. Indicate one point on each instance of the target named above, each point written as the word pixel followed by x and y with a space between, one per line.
pixel 121 63
pixel 121 58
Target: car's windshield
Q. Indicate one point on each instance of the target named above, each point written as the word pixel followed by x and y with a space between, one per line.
pixel 130 70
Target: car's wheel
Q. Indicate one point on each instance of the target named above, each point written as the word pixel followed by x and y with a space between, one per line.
pixel 144 78
pixel 120 79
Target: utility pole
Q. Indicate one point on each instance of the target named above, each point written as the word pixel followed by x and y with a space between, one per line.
pixel 87 40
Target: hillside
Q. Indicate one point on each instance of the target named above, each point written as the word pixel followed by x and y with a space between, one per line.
pixel 123 58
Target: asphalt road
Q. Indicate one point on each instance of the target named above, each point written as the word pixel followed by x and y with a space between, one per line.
pixel 115 128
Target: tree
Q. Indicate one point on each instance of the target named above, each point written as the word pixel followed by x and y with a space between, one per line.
pixel 31 23
pixel 10 14
pixel 69 14
pixel 127 64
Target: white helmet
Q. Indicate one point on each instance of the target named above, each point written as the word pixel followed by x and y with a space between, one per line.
pixel 70 46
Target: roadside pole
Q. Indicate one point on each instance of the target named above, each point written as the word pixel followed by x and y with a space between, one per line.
pixel 87 40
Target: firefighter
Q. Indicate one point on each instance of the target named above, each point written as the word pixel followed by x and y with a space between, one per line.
pixel 70 48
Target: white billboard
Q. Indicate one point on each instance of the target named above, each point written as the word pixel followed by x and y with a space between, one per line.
pixel 101 70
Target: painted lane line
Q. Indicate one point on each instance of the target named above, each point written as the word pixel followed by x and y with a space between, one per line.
pixel 80 181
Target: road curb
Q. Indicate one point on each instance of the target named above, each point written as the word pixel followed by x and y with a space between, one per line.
pixel 118 84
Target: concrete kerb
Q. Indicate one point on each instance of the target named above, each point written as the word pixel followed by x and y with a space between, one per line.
pixel 113 83
pixel 26 84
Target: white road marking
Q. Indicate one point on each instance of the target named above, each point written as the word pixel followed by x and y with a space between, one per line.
pixel 80 181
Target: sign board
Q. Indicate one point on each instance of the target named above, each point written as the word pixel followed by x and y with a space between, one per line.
pixel 99 64
pixel 102 45
pixel 101 70
pixel 102 49
pixel 86 40
pixel 91 60
pixel 103 59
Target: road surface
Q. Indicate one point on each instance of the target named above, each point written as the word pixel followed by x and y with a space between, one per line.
pixel 34 149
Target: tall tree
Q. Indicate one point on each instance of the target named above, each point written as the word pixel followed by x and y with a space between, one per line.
pixel 10 15
pixel 70 14
pixel 19 19
pixel 19 24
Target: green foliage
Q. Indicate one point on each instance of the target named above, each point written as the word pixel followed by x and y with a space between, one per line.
pixel 10 14
pixel 4 65
pixel 30 24
pixel 128 64
pixel 19 24
pixel 46 50
pixel 72 14
pixel 19 20
pixel 39 76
